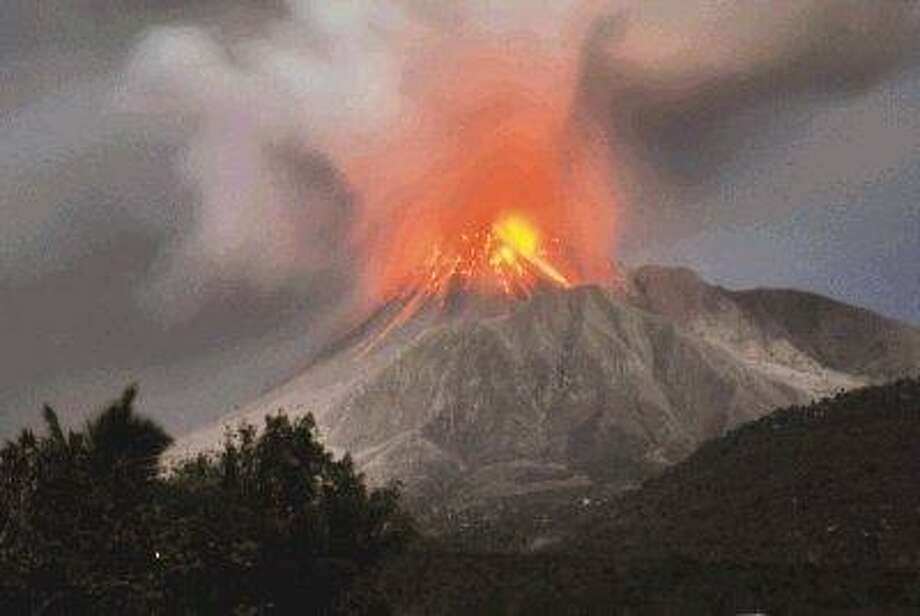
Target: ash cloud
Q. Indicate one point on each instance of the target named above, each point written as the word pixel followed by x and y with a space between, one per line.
pixel 274 115
pixel 271 208
pixel 683 91
pixel 686 89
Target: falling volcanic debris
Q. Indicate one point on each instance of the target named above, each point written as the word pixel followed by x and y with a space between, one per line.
pixel 509 195
pixel 503 191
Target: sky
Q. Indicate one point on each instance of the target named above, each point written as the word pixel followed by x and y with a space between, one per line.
pixel 143 237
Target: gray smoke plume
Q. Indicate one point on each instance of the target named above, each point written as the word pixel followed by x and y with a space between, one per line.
pixel 270 114
pixel 687 89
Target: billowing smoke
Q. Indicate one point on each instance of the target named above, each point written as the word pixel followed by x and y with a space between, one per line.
pixel 353 135
pixel 348 136
pixel 696 92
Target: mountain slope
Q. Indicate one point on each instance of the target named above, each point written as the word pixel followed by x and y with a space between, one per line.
pixel 570 386
pixel 809 510
pixel 575 388
pixel 833 483
pixel 805 339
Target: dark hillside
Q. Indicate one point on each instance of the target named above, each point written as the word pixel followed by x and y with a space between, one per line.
pixel 834 483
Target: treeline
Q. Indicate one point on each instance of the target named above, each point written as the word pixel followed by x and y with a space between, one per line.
pixel 271 523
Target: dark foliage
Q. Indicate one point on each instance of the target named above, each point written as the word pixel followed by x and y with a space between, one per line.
pixel 449 583
pixel 830 484
pixel 270 524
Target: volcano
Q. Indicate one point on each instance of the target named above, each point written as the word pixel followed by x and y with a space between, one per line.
pixel 470 397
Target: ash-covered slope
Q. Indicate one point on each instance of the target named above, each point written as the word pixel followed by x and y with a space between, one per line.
pixel 804 339
pixel 569 388
pixel 577 387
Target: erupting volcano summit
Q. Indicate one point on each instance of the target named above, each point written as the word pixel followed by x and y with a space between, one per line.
pixel 509 255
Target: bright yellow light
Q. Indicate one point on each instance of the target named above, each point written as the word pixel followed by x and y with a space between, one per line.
pixel 520 239
pixel 518 234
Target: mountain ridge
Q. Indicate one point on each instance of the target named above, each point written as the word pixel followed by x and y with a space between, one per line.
pixel 579 387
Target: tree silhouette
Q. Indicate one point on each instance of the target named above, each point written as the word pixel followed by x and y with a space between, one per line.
pixel 120 441
pixel 271 522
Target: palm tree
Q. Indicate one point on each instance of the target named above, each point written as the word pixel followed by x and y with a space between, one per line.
pixel 118 440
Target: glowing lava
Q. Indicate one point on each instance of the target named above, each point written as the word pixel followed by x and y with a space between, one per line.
pixel 519 240
pixel 495 185
pixel 507 256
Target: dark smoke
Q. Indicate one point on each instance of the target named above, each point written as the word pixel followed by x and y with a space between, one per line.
pixel 670 79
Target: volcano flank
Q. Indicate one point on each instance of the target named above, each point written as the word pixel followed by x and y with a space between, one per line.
pixel 473 398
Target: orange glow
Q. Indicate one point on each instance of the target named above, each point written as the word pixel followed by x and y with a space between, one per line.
pixel 491 186
pixel 506 256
